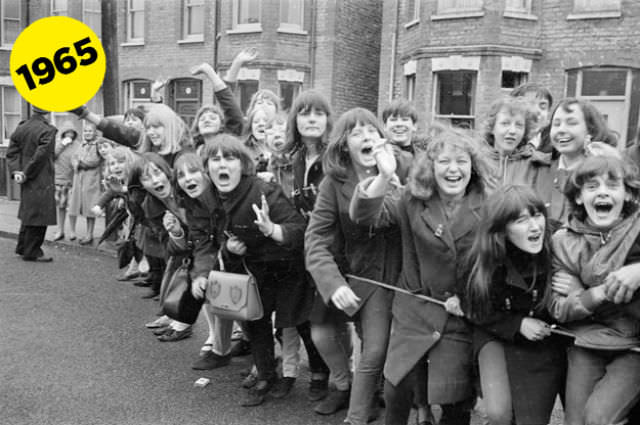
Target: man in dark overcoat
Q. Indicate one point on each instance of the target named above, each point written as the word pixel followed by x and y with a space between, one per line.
pixel 30 160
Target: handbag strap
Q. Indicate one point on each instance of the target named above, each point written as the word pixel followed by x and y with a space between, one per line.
pixel 222 268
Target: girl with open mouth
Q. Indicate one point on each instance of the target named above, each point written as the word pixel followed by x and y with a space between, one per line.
pixel 599 247
pixel 522 367
pixel 261 227
pixel 437 214
pixel 354 154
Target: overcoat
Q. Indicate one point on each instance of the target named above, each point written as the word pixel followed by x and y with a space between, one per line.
pixel 433 258
pixel 87 186
pixel 31 150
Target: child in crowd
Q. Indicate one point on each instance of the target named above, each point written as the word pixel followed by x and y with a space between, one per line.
pixel 400 119
pixel 64 153
pixel 600 247
pixel 87 186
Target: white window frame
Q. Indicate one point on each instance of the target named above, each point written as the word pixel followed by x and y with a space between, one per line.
pixel 129 19
pixel 409 71
pixel 5 141
pixel 595 9
pixel 87 11
pixel 292 27
pixel 187 6
pixel 436 95
pixel 413 14
pixel 243 28
pixel 3 42
pixel 60 11
pixel 448 9
pixel 132 102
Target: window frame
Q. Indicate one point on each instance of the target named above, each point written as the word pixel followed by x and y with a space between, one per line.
pixel 187 6
pixel 583 9
pixel 130 12
pixel 175 98
pixel 93 12
pixel 444 10
pixel 436 96
pixel 413 13
pixel 288 26
pixel 297 89
pixel 3 104
pixel 58 12
pixel 3 18
pixel 249 27
pixel 133 102
pixel 410 86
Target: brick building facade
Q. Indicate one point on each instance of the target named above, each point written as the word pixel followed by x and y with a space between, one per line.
pixel 453 58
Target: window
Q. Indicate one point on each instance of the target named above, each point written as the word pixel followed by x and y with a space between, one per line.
pixel 193 20
pixel 137 93
pixel 410 86
pixel 459 6
pixel 518 6
pixel 10 23
pixel 246 15
pixel 11 112
pixel 512 79
pixel 454 97
pixel 135 20
pixel 186 98
pixel 591 9
pixel 413 10
pixel 291 14
pixel 59 8
pixel 288 91
pixel 246 89
pixel 92 15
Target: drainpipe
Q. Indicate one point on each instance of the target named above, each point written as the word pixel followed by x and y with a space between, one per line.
pixel 394 46
pixel 312 44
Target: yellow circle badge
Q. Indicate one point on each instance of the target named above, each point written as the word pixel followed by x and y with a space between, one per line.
pixel 57 63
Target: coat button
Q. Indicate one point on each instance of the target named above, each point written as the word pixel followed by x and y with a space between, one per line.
pixel 436 335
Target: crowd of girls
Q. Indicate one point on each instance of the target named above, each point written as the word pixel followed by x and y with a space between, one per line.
pixel 514 252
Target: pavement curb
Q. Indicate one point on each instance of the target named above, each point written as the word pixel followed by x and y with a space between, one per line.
pixel 101 249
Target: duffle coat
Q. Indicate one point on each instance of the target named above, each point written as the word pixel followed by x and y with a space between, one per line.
pixel 433 251
pixel 31 150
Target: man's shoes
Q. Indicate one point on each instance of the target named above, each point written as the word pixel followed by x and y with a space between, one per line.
pixel 41 259
pixel 161 330
pixel 250 380
pixel 335 401
pixel 151 294
pixel 318 389
pixel 86 241
pixel 174 335
pixel 210 361
pixel 283 387
pixel 58 236
pixel 160 322
pixel 256 395
pixel 241 348
pixel 125 277
pixel 142 283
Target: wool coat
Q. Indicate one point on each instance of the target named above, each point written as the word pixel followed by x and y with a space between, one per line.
pixel 304 196
pixel 536 369
pixel 31 150
pixel 63 156
pixel 433 252
pixel 87 180
pixel 290 295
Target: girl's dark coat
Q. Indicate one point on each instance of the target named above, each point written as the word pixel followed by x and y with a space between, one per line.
pixel 536 369
pixel 304 197
pixel 290 294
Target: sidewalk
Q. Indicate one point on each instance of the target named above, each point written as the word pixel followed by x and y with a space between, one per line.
pixel 10 225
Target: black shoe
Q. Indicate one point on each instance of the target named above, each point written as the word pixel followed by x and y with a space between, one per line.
pixel 318 389
pixel 142 283
pixel 210 361
pixel 256 395
pixel 41 259
pixel 173 335
pixel 161 330
pixel 241 349
pixel 282 387
pixel 151 294
pixel 335 401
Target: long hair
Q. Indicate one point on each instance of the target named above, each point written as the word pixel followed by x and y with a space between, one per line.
pixel 337 158
pixel 190 160
pixel 512 106
pixel 422 181
pixel 491 248
pixel 227 144
pixel 127 157
pixel 304 102
pixel 176 134
pixel 611 167
pixel 596 124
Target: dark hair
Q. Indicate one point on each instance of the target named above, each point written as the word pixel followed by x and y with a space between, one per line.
pixel 230 145
pixel 540 91
pixel 491 247
pixel 304 102
pixel 263 94
pixel 337 159
pixel 400 108
pixel 614 168
pixel 422 182
pixel 195 132
pixel 190 159
pixel 513 106
pixel 137 112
